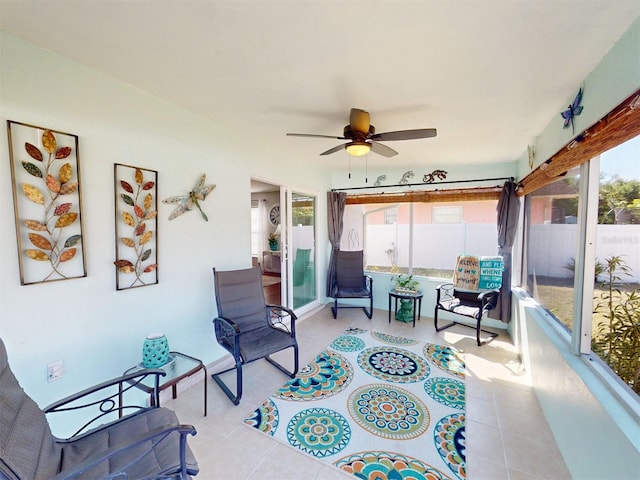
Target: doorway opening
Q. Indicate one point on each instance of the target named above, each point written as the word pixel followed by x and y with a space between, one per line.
pixel 266 238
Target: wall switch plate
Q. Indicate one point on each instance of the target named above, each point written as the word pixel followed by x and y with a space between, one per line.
pixel 55 370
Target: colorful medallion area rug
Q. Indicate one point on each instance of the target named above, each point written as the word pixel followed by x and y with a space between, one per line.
pixel 377 406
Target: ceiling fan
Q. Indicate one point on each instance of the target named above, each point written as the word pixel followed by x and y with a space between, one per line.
pixel 363 136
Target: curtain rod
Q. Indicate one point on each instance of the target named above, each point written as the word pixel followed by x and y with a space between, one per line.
pixel 423 183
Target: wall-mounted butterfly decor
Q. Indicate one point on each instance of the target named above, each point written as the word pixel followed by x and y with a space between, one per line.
pixel 188 201
pixel 574 109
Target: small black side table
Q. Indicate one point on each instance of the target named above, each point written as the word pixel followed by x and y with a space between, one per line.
pixel 417 302
pixel 179 367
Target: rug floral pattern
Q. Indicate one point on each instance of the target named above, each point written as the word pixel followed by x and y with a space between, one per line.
pixel 377 406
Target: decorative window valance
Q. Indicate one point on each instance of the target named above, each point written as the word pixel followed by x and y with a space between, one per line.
pixel 429 196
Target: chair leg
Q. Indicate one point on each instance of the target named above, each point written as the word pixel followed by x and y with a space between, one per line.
pixel 283 369
pixel 478 330
pixel 369 313
pixel 435 321
pixel 238 368
pixel 334 309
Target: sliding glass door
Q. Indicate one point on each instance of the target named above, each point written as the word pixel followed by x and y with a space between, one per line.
pixel 303 249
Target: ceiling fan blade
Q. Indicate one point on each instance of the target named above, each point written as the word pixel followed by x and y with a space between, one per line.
pixel 383 150
pixel 313 135
pixel 359 120
pixel 333 150
pixel 405 134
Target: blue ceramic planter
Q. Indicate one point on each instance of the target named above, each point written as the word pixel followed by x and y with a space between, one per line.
pixel 155 351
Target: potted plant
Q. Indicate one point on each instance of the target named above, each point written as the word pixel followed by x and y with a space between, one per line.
pixel 273 241
pixel 406 284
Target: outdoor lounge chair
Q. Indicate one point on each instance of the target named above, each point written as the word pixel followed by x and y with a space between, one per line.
pixel 351 282
pixel 472 305
pixel 135 443
pixel 474 291
pixel 247 327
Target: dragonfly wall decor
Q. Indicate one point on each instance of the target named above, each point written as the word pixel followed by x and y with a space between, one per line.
pixel 574 110
pixel 187 202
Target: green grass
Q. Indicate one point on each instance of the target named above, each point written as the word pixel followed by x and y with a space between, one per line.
pixel 558 299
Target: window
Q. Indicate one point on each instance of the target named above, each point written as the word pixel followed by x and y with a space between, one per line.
pixel 256 240
pixel 551 245
pixel 583 257
pixel 390 215
pixel 425 238
pixel 615 336
pixel 447 214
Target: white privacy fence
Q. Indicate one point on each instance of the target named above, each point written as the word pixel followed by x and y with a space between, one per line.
pixel 552 246
pixel 435 246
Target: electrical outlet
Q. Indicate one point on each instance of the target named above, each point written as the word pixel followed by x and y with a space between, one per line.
pixel 55 371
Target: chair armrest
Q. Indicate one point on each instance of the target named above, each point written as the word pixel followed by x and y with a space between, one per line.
pixel 488 298
pixel 228 323
pixel 156 436
pixel 280 311
pixel 368 282
pixel 110 401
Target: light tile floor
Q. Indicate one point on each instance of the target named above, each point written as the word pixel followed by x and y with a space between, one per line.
pixel 507 435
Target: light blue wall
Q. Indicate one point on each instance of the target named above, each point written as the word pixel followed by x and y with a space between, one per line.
pixel 585 418
pixel 96 330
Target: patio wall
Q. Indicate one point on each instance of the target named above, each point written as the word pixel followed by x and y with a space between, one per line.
pixel 597 436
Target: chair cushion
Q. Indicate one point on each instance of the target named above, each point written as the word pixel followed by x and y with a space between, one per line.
pixel 240 297
pixel 349 269
pixel 264 341
pixel 163 459
pixel 352 292
pixel 461 308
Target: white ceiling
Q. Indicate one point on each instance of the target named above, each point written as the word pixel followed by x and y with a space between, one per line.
pixel 489 75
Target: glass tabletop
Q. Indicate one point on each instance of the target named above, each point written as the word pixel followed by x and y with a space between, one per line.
pixel 406 294
pixel 178 366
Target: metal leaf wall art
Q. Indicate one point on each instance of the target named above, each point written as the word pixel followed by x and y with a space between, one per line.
pixel 45 175
pixel 136 226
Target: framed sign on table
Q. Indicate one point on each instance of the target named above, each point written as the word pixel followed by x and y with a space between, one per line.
pixel 47 200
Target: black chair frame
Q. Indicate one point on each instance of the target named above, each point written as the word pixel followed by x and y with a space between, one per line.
pixel 111 403
pixel 467 304
pixel 367 284
pixel 351 282
pixel 229 335
pixel 237 355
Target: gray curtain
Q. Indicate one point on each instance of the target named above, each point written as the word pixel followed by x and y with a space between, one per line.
pixel 508 210
pixel 335 211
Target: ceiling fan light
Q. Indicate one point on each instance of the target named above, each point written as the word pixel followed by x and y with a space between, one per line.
pixel 358 149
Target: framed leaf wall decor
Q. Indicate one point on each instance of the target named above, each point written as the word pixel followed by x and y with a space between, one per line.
pixel 136 208
pixel 45 174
